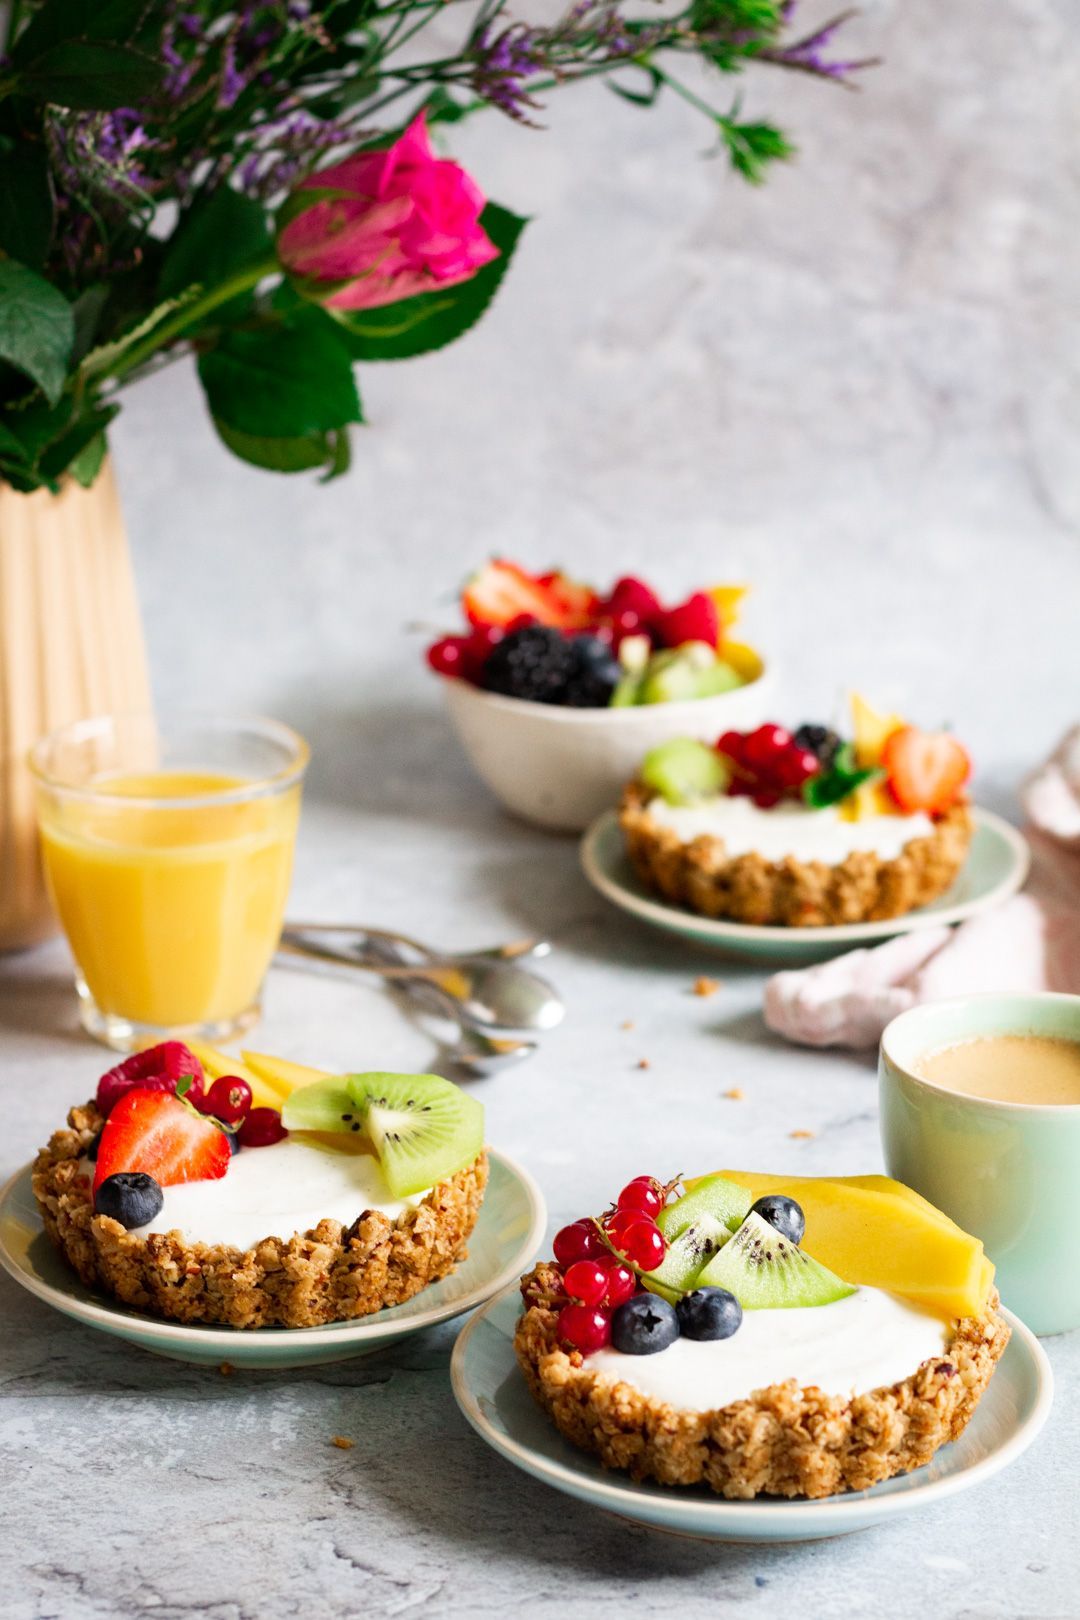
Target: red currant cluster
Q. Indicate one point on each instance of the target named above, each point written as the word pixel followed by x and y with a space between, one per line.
pixel 767 765
pixel 229 1100
pixel 602 1261
pixel 466 655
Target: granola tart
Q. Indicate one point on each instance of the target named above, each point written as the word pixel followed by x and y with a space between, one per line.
pixel 750 888
pixel 784 1440
pixel 331 1273
pixel 802 829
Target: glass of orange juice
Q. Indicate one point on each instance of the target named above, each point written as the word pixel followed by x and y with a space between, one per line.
pixel 168 849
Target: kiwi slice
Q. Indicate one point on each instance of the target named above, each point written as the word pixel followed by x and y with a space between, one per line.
pixel 422 1127
pixel 687 1255
pixel 721 677
pixel 682 770
pixel 723 1201
pixel 766 1272
pixel 323 1106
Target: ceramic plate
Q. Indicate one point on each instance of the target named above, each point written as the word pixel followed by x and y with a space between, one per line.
pixel 996 866
pixel 494 1397
pixel 507 1236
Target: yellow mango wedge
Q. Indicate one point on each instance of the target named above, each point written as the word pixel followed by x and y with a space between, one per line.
pixel 871 731
pixel 728 600
pixel 884 1236
pixel 216 1063
pixel 284 1077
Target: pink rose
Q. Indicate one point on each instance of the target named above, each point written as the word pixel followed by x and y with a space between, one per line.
pixel 407 222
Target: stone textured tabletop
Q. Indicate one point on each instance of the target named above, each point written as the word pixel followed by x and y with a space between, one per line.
pixel 858 387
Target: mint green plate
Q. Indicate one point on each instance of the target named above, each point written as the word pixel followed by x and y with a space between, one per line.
pixel 507 1235
pixel 996 866
pixel 493 1395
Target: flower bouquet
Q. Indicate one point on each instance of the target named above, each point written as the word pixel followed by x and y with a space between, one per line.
pixel 256 185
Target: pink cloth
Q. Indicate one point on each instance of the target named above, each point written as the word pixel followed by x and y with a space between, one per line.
pixel 1032 942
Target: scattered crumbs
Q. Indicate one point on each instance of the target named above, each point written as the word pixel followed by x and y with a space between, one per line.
pixel 643 1063
pixel 343 1442
pixel 705 987
pixel 800 1136
pixel 627 1023
pixel 736 1093
pixel 226 1369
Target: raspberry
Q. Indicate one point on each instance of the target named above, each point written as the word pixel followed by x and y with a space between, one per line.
pixel 156 1069
pixel 536 663
pixel 696 619
pixel 632 595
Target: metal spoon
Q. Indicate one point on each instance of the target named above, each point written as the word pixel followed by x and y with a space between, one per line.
pixel 490 995
pixel 512 951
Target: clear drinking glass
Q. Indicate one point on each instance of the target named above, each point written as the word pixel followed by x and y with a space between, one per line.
pixel 168 849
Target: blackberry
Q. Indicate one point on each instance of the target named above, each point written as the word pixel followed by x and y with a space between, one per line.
pixel 820 740
pixel 536 663
pixel 596 674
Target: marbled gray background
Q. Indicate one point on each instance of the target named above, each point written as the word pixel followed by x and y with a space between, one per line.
pixel 859 387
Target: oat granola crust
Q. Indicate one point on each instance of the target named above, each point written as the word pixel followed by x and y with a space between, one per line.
pixel 781 1441
pixel 701 876
pixel 330 1274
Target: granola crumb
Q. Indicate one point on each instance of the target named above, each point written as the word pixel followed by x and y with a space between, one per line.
pixel 736 1093
pixel 801 1136
pixel 342 1442
pixel 643 1063
pixel 226 1369
pixel 627 1023
pixel 704 986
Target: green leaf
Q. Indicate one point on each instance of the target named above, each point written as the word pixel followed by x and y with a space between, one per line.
pixel 87 310
pixel 76 442
pixel 121 22
pixel 101 359
pixel 839 781
pixel 218 238
pixel 37 327
pixel 11 448
pixel 90 76
pixel 287 455
pixel 751 147
pixel 85 467
pixel 282 381
pixel 431 321
pixel 640 98
pixel 26 205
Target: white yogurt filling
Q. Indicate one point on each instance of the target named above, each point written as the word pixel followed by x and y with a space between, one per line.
pixel 868 1340
pixel 277 1191
pixel 790 829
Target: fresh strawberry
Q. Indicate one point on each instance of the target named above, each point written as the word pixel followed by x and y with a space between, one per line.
pixel 502 592
pixel 696 619
pixel 156 1069
pixel 150 1131
pixel 580 603
pixel 925 770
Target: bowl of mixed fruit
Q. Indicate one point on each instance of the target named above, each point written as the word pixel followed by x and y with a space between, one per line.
pixel 556 689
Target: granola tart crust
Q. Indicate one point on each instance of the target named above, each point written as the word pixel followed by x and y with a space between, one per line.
pixel 782 1441
pixel 702 877
pixel 329 1274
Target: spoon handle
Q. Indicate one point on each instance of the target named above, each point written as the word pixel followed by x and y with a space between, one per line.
pixel 433 974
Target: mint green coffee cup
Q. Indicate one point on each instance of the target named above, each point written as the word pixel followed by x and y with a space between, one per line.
pixel 1006 1171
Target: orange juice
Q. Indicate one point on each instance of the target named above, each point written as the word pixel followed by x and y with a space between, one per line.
pixel 172 909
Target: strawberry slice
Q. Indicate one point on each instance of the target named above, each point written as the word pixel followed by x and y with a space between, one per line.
pixel 153 1132
pixel 925 769
pixel 580 603
pixel 502 592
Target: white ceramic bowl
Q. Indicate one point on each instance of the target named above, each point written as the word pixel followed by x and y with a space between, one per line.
pixel 561 767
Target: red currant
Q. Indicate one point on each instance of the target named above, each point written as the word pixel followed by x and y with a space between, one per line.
pixel 795 765
pixel 261 1128
pixel 229 1099
pixel 766 798
pixel 731 744
pixel 579 1241
pixel 447 655
pixel 642 1194
pixel 587 1281
pixel 639 1239
pixel 764 746
pixel 584 1327
pixel 620 1282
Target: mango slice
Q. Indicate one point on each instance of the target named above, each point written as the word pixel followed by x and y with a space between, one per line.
pixel 216 1063
pixel 884 1236
pixel 284 1077
pixel 728 600
pixel 872 731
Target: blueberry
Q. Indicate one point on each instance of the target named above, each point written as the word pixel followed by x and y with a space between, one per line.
pixel 130 1197
pixel 782 1213
pixel 595 675
pixel 643 1325
pixel 709 1313
pixel 233 1138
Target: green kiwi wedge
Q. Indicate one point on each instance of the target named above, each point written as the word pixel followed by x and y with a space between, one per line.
pixel 767 1272
pixel 724 1201
pixel 687 1255
pixel 422 1127
pixel 323 1106
pixel 682 770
